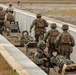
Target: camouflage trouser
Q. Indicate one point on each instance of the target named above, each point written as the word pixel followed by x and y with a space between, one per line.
pixel 64 50
pixel 36 38
pixel 0 30
pixel 39 34
pixel 39 37
pixel 1 26
pixel 65 53
pixel 51 48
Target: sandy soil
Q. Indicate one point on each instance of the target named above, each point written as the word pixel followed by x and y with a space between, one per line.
pixel 45 8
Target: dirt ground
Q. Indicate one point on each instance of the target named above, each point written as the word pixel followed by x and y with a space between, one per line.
pixel 63 12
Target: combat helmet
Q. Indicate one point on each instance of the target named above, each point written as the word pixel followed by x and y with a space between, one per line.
pixel 38 16
pixel 41 44
pixel 1 8
pixel 10 4
pixel 53 25
pixel 65 27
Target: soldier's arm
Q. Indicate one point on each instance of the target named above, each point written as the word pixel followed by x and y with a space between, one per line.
pixel 32 25
pixel 37 60
pixel 46 36
pixel 57 41
pixel 72 41
pixel 46 23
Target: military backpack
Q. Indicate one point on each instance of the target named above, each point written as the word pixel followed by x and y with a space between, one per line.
pixel 40 23
pixel 53 36
pixel 10 17
pixel 65 38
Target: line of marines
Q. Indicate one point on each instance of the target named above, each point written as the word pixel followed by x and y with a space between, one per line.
pixel 60 44
pixel 6 17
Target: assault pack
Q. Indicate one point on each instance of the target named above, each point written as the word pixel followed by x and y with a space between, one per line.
pixel 40 23
pixel 65 38
pixel 53 36
pixel 10 17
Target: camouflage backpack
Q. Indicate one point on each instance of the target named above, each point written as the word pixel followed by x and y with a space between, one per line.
pixel 53 36
pixel 65 38
pixel 40 23
pixel 2 15
pixel 10 17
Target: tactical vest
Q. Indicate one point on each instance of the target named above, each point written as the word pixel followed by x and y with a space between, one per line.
pixel 10 17
pixel 40 23
pixel 65 38
pixel 2 15
pixel 53 35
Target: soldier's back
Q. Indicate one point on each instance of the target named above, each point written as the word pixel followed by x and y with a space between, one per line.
pixel 40 22
pixel 2 15
pixel 53 34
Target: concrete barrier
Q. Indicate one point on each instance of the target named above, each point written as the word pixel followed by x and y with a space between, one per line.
pixel 18 60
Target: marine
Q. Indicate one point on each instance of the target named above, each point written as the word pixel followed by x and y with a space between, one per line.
pixel 25 38
pixel 60 61
pixel 40 29
pixel 50 37
pixel 10 8
pixel 2 18
pixel 65 42
pixel 39 57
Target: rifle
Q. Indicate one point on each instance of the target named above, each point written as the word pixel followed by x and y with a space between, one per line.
pixel 50 64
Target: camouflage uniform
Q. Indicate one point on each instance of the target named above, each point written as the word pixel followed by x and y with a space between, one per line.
pixel 65 48
pixel 51 36
pixel 10 17
pixel 10 8
pixel 39 30
pixel 39 57
pixel 25 38
pixel 60 60
pixel 2 18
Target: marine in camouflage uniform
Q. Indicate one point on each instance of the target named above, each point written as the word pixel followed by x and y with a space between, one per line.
pixel 25 38
pixel 60 60
pixel 50 38
pixel 10 8
pixel 2 18
pixel 39 57
pixel 40 29
pixel 65 42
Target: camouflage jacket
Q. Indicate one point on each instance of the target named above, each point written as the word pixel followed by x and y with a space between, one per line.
pixel 64 46
pixel 57 41
pixel 49 33
pixel 27 38
pixel 38 56
pixel 34 23
pixel 59 60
